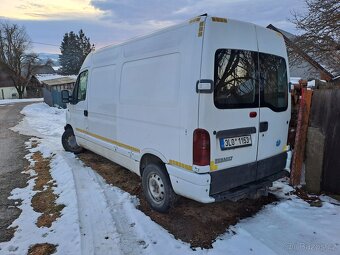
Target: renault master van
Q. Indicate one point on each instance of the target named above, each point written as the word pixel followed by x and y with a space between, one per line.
pixel 200 110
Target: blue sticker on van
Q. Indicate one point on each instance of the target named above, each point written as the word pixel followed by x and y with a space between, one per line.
pixel 278 142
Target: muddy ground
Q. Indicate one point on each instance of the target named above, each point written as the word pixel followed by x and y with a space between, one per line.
pixel 190 221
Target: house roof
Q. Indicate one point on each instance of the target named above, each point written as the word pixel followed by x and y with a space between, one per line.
pixel 59 81
pixel 43 69
pixel 38 70
pixel 289 39
pixel 45 77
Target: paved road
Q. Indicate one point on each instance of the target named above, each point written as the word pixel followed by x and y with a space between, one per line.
pixel 12 163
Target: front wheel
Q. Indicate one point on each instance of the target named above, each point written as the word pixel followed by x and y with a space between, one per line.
pixel 157 188
pixel 69 142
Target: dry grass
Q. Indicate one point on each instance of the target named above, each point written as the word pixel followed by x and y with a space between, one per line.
pixel 34 143
pixel 42 249
pixel 44 201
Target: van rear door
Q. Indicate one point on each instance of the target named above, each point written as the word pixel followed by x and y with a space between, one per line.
pixel 231 112
pixel 274 101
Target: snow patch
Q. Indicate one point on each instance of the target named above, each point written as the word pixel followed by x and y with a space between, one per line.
pixel 102 219
pixel 25 100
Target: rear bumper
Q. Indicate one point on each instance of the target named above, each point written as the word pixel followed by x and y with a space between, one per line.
pixel 250 189
pixel 227 179
pixel 232 183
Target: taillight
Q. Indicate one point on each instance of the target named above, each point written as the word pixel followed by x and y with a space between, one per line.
pixel 201 147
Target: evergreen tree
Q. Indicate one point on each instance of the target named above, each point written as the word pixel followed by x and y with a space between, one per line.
pixel 74 49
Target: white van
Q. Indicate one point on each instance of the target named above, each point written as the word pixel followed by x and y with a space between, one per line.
pixel 200 110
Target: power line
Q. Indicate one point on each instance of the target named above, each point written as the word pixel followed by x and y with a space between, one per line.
pixel 47 44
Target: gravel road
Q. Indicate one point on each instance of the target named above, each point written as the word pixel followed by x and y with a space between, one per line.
pixel 12 163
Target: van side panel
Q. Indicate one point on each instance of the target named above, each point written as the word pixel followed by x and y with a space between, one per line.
pixel 142 98
pixel 102 104
pixel 158 103
pixel 149 106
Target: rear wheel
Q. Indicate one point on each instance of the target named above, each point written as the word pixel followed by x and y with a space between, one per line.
pixel 69 142
pixel 157 188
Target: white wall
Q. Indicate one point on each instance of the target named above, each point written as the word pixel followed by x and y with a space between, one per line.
pixel 7 92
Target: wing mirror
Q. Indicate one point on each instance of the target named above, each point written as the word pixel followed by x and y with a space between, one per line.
pixel 65 96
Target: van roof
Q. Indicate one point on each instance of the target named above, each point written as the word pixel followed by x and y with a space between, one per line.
pixel 184 23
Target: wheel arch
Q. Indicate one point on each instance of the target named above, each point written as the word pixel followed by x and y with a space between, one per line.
pixel 68 126
pixel 151 156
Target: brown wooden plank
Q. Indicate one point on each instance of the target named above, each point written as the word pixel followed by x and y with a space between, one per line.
pixel 301 135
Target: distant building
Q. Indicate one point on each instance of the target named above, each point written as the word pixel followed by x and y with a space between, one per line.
pixel 7 89
pixel 308 69
pixel 52 87
pixel 34 88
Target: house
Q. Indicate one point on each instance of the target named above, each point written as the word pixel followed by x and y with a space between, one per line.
pixel 7 89
pixel 33 90
pixel 308 69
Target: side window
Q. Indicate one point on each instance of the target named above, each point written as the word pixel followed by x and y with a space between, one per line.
pixel 79 90
pixel 82 85
pixel 236 85
pixel 273 82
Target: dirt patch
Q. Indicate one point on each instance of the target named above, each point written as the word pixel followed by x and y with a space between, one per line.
pixel 42 249
pixel 313 200
pixel 192 222
pixel 44 201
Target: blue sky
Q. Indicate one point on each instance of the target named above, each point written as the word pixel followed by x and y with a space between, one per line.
pixel 113 21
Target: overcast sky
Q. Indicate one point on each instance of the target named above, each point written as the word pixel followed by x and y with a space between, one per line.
pixel 113 21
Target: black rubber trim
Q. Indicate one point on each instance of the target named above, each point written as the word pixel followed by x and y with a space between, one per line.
pixel 263 126
pixel 205 91
pixel 236 132
pixel 227 179
pixel 249 189
pixel 267 167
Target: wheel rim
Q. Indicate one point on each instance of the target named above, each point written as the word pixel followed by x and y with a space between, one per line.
pixel 72 142
pixel 156 188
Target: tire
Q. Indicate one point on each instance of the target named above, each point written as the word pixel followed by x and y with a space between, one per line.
pixel 69 142
pixel 157 188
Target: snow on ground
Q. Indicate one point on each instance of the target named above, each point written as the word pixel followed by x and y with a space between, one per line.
pixel 102 219
pixel 25 100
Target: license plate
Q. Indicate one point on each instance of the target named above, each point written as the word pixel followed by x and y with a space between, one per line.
pixel 235 142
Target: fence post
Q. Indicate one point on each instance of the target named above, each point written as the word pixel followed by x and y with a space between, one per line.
pixel 301 136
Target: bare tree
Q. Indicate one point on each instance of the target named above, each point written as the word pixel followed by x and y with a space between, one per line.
pixel 14 43
pixel 320 27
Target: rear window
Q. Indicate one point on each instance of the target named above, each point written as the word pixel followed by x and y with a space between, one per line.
pixel 273 82
pixel 235 79
pixel 240 76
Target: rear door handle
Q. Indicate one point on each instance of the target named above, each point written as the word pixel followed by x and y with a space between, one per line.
pixel 86 113
pixel 263 126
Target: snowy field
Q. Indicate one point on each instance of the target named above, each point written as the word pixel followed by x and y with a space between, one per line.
pixel 102 219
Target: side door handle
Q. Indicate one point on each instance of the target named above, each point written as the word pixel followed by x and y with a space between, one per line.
pixel 86 113
pixel 263 126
